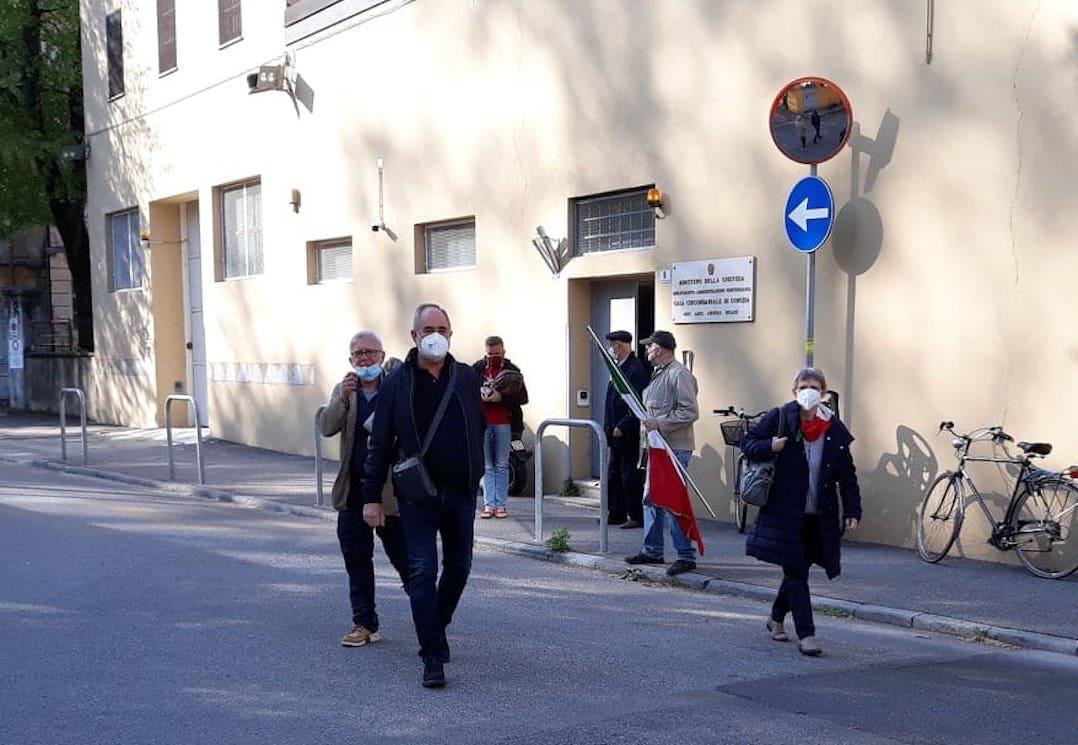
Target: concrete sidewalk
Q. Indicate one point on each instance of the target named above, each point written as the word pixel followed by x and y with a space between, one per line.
pixel 961 597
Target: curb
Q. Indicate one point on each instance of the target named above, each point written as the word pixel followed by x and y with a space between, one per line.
pixel 877 614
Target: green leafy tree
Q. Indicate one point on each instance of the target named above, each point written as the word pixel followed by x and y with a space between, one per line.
pixel 41 118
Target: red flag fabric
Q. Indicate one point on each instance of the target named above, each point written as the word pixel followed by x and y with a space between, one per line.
pixel 668 490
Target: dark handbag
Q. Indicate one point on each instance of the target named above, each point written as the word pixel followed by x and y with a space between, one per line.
pixel 411 480
pixel 756 478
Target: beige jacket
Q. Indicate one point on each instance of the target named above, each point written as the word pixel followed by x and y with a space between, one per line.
pixel 671 398
pixel 339 419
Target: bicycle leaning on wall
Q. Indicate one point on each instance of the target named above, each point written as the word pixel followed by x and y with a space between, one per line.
pixel 733 431
pixel 1040 518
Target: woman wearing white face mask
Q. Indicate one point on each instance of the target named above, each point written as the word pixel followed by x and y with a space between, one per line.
pixel 802 524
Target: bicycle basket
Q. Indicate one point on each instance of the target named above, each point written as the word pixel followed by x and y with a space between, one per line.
pixel 732 431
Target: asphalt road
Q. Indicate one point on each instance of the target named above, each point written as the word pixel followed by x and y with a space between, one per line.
pixel 133 617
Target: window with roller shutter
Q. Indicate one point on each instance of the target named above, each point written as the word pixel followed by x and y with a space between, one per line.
pixel 114 50
pixel 449 245
pixel 166 36
pixel 333 260
pixel 229 21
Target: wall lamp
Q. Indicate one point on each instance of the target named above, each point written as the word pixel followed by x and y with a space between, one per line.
pixel 655 201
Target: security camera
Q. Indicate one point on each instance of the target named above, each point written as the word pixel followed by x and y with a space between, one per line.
pixel 376 226
pixel 252 81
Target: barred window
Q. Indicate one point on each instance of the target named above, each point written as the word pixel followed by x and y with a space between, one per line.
pixel 166 35
pixel 333 260
pixel 114 51
pixel 125 251
pixel 613 222
pixel 241 229
pixel 229 20
pixel 449 245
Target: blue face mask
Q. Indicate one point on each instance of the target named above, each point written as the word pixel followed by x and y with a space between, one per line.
pixel 369 373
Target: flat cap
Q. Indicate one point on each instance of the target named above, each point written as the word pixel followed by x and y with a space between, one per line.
pixel 624 336
pixel 663 338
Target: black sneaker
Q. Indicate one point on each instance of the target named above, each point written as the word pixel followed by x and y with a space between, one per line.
pixel 642 558
pixel 680 567
pixel 433 672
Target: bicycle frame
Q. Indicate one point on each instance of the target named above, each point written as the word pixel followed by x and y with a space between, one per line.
pixel 1028 474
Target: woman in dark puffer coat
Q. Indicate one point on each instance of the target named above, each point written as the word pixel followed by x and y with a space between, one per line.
pixel 801 523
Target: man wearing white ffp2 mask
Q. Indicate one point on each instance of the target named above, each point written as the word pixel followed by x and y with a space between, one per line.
pixel 429 428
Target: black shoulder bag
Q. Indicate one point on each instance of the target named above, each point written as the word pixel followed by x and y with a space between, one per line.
pixel 411 481
pixel 756 478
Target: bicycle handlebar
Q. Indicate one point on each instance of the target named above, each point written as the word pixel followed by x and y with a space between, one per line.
pixel 995 433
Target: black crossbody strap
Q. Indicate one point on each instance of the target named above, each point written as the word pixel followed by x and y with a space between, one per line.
pixel 440 412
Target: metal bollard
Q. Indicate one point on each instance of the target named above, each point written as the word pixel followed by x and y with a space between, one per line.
pixel 198 436
pixel 603 456
pixel 319 491
pixel 63 422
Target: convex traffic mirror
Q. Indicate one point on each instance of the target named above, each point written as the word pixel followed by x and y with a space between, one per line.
pixel 810 120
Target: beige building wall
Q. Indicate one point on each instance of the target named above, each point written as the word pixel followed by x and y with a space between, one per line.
pixel 946 292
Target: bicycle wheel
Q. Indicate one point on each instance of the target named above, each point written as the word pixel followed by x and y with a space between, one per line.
pixel 1043 528
pixel 741 510
pixel 941 517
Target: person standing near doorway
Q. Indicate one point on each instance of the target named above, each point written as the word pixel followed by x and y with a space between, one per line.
pixel 815 119
pixel 625 479
pixel 502 391
pixel 672 408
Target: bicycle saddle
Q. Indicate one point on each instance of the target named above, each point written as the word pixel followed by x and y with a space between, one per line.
pixel 1036 448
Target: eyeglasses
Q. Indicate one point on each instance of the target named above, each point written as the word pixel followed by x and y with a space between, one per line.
pixel 366 352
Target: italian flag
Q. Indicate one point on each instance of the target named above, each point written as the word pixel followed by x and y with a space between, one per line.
pixel 668 480
pixel 669 489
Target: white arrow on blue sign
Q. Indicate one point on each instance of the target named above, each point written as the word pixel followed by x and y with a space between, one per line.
pixel 810 213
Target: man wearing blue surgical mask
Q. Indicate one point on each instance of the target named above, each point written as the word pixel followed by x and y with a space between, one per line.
pixel 350 412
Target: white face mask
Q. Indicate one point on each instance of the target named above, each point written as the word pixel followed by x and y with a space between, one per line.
pixel 434 346
pixel 808 398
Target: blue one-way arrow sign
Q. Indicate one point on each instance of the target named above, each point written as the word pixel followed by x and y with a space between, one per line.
pixel 810 213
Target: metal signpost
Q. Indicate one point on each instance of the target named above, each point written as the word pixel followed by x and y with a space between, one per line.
pixel 810 215
pixel 810 120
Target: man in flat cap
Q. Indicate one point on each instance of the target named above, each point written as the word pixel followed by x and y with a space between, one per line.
pixel 671 406
pixel 625 480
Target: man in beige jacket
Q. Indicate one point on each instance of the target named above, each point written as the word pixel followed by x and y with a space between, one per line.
pixel 350 412
pixel 672 408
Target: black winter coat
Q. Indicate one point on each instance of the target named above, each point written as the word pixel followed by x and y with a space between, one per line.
pixel 777 535
pixel 616 412
pixel 514 402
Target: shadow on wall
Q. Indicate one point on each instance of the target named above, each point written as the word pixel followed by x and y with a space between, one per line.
pixel 555 460
pixel 904 476
pixel 857 240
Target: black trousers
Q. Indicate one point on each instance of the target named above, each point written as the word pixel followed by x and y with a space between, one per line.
pixel 625 484
pixel 357 547
pixel 434 599
pixel 793 594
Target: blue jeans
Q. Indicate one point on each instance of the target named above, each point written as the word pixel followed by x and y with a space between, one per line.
pixel 496 458
pixel 656 519
pixel 434 599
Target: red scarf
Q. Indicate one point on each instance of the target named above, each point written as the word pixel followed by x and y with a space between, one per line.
pixel 813 428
